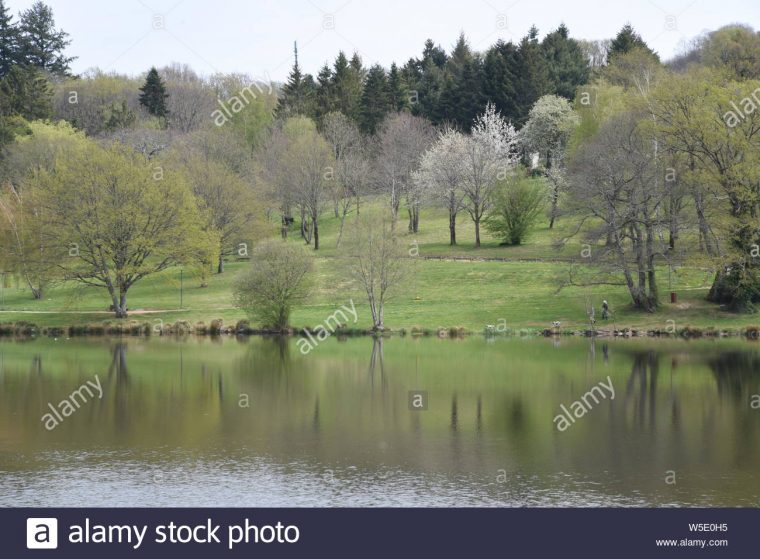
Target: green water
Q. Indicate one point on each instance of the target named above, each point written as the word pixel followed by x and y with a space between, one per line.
pixel 253 422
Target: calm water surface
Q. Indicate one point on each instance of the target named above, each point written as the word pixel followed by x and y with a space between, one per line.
pixel 255 423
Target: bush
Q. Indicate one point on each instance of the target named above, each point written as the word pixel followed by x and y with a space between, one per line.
pixel 518 202
pixel 216 327
pixel 279 278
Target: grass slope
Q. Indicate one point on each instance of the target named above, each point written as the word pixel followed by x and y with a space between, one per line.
pixel 453 286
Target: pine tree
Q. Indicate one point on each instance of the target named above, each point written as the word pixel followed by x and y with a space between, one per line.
pixel 9 40
pixel 568 67
pixel 398 92
pixel 346 85
pixel 297 95
pixel 425 79
pixel 627 40
pixel 26 92
pixel 375 103
pixel 324 95
pixel 461 98
pixel 153 96
pixel 499 81
pixel 42 45
pixel 531 73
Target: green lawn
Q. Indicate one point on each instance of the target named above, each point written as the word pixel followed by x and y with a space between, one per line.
pixel 468 289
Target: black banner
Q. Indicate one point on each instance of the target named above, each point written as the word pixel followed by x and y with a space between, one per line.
pixel 133 532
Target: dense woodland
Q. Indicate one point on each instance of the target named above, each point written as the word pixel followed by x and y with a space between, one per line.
pixel 108 178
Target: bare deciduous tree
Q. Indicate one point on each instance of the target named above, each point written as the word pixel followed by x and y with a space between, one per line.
pixel 377 261
pixel 401 141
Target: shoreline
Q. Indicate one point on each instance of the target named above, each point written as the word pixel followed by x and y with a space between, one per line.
pixel 217 328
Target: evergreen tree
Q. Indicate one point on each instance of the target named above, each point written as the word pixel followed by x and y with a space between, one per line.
pixel 375 102
pixel 26 92
pixel 568 67
pixel 461 99
pixel 153 96
pixel 297 95
pixel 42 45
pixel 9 40
pixel 398 92
pixel 499 81
pixel 627 40
pixel 434 53
pixel 324 97
pixel 531 73
pixel 346 86
pixel 425 79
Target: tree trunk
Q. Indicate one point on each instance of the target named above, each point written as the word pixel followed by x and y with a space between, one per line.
pixel 452 228
pixel 555 200
pixel 316 231
pixel 477 232
pixel 220 267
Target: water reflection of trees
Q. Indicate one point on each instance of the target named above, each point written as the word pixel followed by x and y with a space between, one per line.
pixel 737 374
pixel 641 388
pixel 118 377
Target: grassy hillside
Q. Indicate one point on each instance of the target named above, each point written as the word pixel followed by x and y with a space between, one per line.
pixel 459 286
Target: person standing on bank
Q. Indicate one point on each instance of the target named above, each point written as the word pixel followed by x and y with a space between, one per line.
pixel 605 310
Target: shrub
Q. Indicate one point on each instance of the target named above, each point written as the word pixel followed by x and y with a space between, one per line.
pixel 216 327
pixel 279 278
pixel 518 202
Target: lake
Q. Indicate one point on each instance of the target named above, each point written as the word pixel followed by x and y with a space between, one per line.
pixel 252 422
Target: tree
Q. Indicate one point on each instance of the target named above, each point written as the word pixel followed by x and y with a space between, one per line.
pixel 252 105
pixel 189 99
pixel 376 261
pixel 595 53
pixel 531 71
pixel 460 99
pixel 25 92
pixel 42 45
pixel 401 141
pixel 97 103
pixel 122 223
pixel 734 49
pixel 224 200
pixel 614 191
pixel 547 131
pixel 297 95
pixel 499 81
pixel 568 67
pixel 375 103
pixel 517 203
pixel 625 41
pixel 398 90
pixel 278 278
pixel 441 174
pixel 490 154
pixel 346 85
pixel 349 180
pixel 697 116
pixel 28 251
pixel 153 96
pixel 10 39
pixel 306 162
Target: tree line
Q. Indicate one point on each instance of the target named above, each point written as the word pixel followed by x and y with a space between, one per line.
pixel 645 164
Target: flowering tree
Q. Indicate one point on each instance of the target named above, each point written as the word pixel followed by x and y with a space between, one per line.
pixel 441 174
pixel 489 156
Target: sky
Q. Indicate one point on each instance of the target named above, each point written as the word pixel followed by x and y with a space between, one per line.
pixel 256 37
